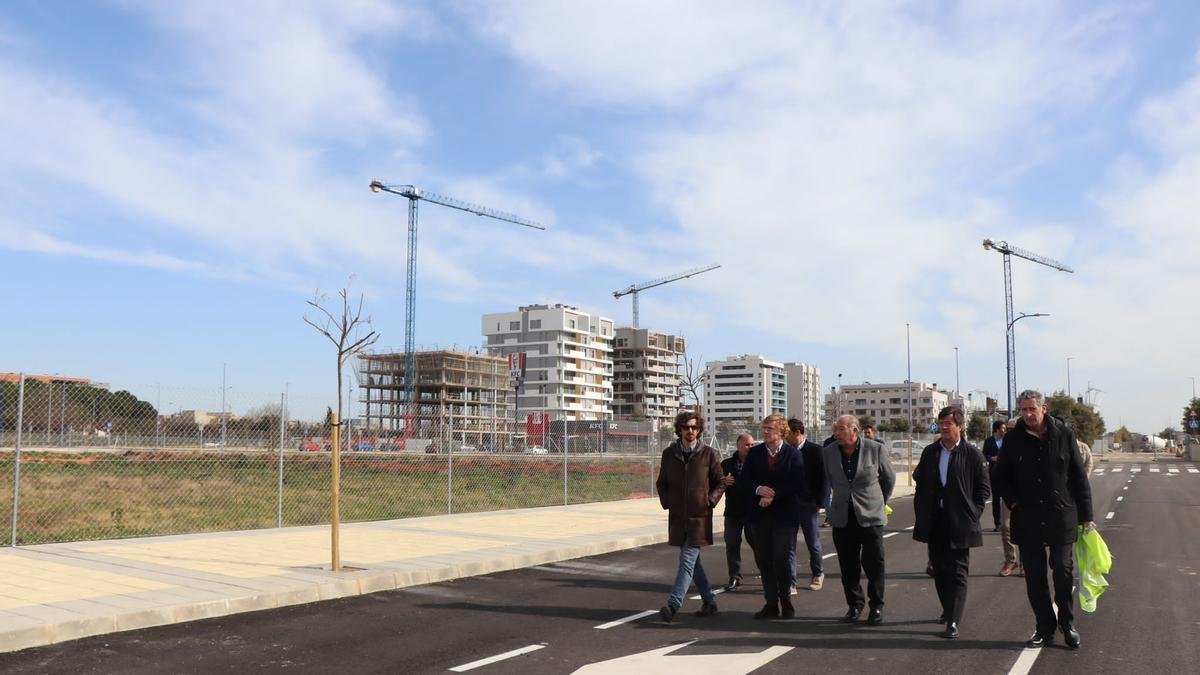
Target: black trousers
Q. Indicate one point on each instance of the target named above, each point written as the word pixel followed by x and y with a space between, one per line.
pixel 950 569
pixel 1061 559
pixel 860 549
pixel 772 545
pixel 995 497
pixel 734 527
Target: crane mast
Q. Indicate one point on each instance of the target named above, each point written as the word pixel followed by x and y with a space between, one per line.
pixel 414 194
pixel 1008 251
pixel 636 289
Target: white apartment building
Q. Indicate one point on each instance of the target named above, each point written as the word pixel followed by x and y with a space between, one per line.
pixel 889 402
pixel 743 389
pixel 646 374
pixel 804 394
pixel 568 359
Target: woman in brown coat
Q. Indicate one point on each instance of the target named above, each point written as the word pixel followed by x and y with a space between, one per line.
pixel 690 483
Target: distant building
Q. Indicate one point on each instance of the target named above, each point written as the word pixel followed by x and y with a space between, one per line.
pixel 646 374
pixel 568 357
pixel 52 379
pixel 744 388
pixel 887 403
pixel 804 394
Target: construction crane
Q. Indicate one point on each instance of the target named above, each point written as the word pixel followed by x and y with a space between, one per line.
pixel 1008 251
pixel 414 194
pixel 635 289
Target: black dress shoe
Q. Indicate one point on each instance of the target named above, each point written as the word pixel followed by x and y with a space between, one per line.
pixel 732 585
pixel 951 631
pixel 787 611
pixel 707 609
pixel 1071 636
pixel 769 611
pixel 929 569
pixel 1039 639
pixel 851 615
pixel 875 617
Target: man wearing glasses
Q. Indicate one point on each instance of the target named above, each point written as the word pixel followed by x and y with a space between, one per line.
pixel 690 483
pixel 1041 478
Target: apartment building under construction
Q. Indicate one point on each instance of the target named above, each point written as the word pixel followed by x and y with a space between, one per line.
pixel 462 399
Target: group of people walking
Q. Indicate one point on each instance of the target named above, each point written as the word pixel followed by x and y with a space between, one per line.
pixel 774 492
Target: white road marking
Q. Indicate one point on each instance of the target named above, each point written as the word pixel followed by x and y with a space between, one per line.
pixel 1121 498
pixel 910 527
pixel 890 534
pixel 1125 487
pixel 631 617
pixel 1100 472
pixel 716 591
pixel 1191 470
pixel 827 556
pixel 1136 469
pixel 1155 469
pixel 1118 469
pixel 1025 661
pixel 662 659
pixel 497 658
pixel 1110 515
pixel 1172 470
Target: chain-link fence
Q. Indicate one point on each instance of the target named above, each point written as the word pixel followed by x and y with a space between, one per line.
pixel 80 462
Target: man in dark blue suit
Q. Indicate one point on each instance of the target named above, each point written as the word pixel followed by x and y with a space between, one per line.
pixel 812 496
pixel 775 473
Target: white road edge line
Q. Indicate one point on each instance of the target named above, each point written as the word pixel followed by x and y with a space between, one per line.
pixel 494 659
pixel 631 617
pixel 1110 515
pixel 890 534
pixel 1025 661
pixel 1121 498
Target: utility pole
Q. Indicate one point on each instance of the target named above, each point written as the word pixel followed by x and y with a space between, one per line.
pixel 222 405
pixel 1007 251
pixel 908 356
pixel 957 389
pixel 1069 376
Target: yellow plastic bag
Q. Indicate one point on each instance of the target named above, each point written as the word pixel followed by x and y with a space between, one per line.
pixel 1093 560
pixel 887 510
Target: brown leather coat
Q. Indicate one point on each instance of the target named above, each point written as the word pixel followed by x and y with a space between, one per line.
pixel 689 491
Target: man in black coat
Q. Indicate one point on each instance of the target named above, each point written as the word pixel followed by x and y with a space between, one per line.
pixel 991 452
pixel 952 489
pixel 1042 481
pixel 775 475
pixel 737 502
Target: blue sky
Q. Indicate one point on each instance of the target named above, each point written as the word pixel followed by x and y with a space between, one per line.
pixel 176 180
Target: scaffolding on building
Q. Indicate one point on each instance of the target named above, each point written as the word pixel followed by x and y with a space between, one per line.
pixel 463 400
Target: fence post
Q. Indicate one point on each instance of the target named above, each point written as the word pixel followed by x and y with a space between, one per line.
pixel 17 457
pixel 564 450
pixel 449 475
pixel 279 485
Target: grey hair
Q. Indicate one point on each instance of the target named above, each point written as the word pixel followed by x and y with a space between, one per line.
pixel 744 433
pixel 1032 394
pixel 853 422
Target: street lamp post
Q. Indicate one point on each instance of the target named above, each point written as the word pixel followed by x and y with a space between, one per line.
pixel 1012 366
pixel 1069 376
pixel 957 386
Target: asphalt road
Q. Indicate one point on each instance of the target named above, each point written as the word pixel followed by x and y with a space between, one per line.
pixel 1148 621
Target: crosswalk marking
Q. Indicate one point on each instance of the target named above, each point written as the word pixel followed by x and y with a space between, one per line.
pixel 1172 470
pixel 1118 469
pixel 1155 469
pixel 1136 469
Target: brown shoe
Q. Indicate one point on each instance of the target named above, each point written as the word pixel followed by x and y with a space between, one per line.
pixel 1008 569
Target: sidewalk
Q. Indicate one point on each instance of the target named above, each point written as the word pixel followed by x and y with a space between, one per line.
pixel 58 592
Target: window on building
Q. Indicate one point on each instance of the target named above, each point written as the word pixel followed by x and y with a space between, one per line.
pixel 535 323
pixel 514 325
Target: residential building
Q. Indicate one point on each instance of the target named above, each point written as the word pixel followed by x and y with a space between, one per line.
pixel 886 403
pixel 460 396
pixel 646 375
pixel 744 389
pixel 804 394
pixel 568 359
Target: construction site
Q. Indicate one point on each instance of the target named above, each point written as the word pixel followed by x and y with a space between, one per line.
pixel 462 400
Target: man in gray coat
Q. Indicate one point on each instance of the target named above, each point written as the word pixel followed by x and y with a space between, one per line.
pixel 861 478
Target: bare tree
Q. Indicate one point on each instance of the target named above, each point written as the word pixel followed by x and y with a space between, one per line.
pixel 691 380
pixel 345 332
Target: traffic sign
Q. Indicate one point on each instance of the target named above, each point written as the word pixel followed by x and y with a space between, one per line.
pixel 933 428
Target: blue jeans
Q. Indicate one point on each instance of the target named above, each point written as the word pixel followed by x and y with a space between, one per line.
pixel 689 568
pixel 810 527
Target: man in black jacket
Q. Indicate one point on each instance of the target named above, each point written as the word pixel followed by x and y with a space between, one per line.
pixel 952 489
pixel 812 499
pixel 1042 481
pixel 991 452
pixel 737 501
